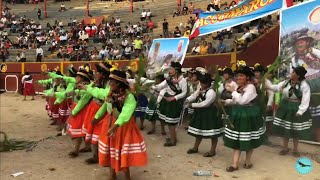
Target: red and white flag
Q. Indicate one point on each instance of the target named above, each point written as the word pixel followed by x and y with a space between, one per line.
pixel 288 3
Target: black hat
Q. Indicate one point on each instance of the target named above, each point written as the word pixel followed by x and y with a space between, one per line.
pixel 103 67
pixel 119 76
pixel 228 71
pixel 259 68
pixel 72 71
pixel 300 71
pixel 87 76
pixel 245 70
pixel 176 65
pixel 59 73
pixel 205 78
pixel 303 36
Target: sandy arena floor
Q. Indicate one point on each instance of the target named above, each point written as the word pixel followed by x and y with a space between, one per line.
pixel 29 121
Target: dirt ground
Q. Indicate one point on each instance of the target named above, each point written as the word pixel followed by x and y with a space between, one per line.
pixel 29 121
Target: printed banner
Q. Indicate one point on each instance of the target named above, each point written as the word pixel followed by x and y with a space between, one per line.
pixel 300 45
pixel 163 51
pixel 244 12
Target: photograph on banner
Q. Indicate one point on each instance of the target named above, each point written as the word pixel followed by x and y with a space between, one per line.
pixel 246 11
pixel 300 45
pixel 163 51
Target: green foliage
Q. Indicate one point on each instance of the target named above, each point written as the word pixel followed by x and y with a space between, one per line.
pixel 11 144
pixel 141 86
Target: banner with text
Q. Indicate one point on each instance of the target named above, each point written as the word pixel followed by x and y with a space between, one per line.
pixel 246 11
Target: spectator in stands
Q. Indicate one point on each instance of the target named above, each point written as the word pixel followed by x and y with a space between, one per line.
pixel 196 49
pixel 221 48
pixel 103 53
pixel 2 55
pixel 191 8
pixel 39 53
pixel 62 8
pixel 124 42
pixel 217 5
pixel 185 9
pixel 232 5
pixel 150 26
pixel 191 21
pixel 147 42
pixel 165 28
pixel 177 12
pixel 149 15
pixel 210 7
pixel 204 48
pixel 187 32
pixel 127 52
pixel 138 44
pixel 211 49
pixel 143 15
pixel 18 58
pixel 117 21
pixel 245 37
pixel 116 53
pixel 39 14
pixel 23 55
pixel 177 32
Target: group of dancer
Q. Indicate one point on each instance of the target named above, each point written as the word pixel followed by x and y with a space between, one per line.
pixel 100 109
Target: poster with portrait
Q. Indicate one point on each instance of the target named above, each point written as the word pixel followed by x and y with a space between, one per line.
pixel 163 51
pixel 300 45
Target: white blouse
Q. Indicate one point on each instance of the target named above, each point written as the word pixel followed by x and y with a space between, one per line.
pixel 210 96
pixel 229 83
pixel 270 93
pixel 182 84
pixel 245 98
pixel 304 88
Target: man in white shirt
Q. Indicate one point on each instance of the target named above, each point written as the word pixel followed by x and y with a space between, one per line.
pixel 149 14
pixel 103 53
pixel 124 43
pixel 246 36
pixel 117 21
pixel 39 53
pixel 143 15
pixel 127 52
pixel 195 49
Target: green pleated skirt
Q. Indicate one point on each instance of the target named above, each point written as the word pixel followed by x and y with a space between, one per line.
pixel 249 129
pixel 151 111
pixel 206 123
pixel 170 112
pixel 287 124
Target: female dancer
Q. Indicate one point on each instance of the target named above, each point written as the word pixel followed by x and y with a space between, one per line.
pixel 121 144
pixel 247 129
pixel 28 88
pixel 92 123
pixel 79 109
pixel 293 120
pixel 205 123
pixel 151 110
pixel 171 105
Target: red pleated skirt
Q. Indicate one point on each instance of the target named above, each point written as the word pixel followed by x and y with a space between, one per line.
pixel 53 108
pixel 87 127
pixel 28 89
pixel 75 123
pixel 124 149
pixel 64 110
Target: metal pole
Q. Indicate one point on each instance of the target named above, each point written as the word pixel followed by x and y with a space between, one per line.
pixel 131 6
pixel 45 9
pixel 87 10
pixel 179 3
